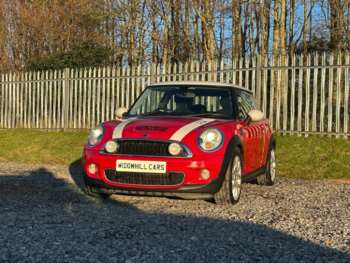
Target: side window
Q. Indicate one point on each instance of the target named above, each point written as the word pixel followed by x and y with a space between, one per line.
pixel 246 103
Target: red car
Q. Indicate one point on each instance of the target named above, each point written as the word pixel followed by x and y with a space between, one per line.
pixel 184 139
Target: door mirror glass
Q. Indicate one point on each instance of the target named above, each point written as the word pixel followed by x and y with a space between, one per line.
pixel 120 113
pixel 256 115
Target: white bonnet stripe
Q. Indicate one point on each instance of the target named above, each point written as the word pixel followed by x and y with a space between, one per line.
pixel 118 131
pixel 182 132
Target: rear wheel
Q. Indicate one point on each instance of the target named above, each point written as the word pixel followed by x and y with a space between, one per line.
pixel 93 192
pixel 230 190
pixel 269 177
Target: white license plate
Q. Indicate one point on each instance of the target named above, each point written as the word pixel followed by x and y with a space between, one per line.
pixel 141 166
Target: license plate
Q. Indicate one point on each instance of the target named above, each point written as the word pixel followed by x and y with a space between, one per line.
pixel 141 166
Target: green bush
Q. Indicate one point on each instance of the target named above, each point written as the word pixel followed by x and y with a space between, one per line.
pixel 79 56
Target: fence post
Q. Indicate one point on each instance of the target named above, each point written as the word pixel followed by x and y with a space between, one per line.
pixel 258 81
pixel 2 106
pixel 65 99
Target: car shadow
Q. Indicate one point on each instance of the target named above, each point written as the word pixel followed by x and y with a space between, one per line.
pixel 44 217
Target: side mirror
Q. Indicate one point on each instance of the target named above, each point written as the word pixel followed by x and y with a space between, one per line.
pixel 120 113
pixel 255 116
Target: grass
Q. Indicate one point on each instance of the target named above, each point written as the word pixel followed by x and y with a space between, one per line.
pixel 313 157
pixel 298 157
pixel 41 147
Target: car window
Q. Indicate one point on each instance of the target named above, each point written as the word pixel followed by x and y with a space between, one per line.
pixel 246 103
pixel 184 101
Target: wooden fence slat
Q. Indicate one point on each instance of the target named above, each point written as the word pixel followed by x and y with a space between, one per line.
pixel 330 96
pixel 30 101
pixel 323 94
pixel 234 71
pixel 292 94
pixel 7 101
pixel 2 106
pixel 246 73
pixel 79 100
pixel 278 93
pixel 264 86
pixel 59 84
pixel 84 99
pixel 128 87
pixel 94 97
pixel 103 94
pixel 272 91
pixel 25 99
pixel 300 94
pixel 6 95
pixel 253 79
pixel 338 96
pixel 222 73
pixel 113 100
pixel 49 100
pixel 241 71
pixel 89 99
pixel 12 99
pixel 346 95
pixel 118 96
pixel 38 96
pixel 315 94
pixel 307 95
pixel 54 98
pixel 285 90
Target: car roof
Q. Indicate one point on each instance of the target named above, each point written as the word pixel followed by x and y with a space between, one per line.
pixel 198 83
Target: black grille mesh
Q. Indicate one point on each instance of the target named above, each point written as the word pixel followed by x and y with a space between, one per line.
pixel 143 147
pixel 144 178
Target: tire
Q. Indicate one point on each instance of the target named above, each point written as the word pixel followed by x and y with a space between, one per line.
pixel 269 177
pixel 230 190
pixel 93 192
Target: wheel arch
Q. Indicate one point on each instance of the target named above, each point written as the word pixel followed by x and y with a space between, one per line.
pixel 273 143
pixel 234 142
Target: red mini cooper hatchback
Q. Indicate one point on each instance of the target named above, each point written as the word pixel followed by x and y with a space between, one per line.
pixel 184 139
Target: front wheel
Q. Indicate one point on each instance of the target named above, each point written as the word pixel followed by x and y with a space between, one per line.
pixel 269 178
pixel 230 190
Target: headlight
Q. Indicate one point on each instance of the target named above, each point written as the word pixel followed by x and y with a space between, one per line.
pixel 175 149
pixel 111 147
pixel 95 135
pixel 210 139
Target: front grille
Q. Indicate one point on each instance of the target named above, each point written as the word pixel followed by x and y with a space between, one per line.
pixel 144 178
pixel 146 148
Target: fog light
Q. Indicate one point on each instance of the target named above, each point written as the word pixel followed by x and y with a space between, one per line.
pixel 175 149
pixel 205 174
pixel 111 147
pixel 92 168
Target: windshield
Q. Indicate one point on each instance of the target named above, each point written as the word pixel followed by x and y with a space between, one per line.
pixel 184 101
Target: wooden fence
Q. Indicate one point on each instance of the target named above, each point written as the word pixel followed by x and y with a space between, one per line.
pixel 299 94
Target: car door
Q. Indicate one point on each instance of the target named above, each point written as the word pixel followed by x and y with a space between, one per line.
pixel 262 129
pixel 251 132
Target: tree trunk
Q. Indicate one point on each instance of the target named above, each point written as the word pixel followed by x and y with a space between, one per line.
pixel 236 29
pixel 208 40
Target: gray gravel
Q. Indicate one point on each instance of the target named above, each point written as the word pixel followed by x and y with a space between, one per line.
pixel 45 217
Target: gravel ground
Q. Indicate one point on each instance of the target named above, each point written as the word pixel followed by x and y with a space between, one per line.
pixel 45 217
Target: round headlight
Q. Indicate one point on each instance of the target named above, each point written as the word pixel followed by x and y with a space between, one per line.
pixel 210 139
pixel 95 135
pixel 111 147
pixel 175 149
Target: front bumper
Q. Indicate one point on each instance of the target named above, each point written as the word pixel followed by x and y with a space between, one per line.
pixel 202 191
pixel 193 184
